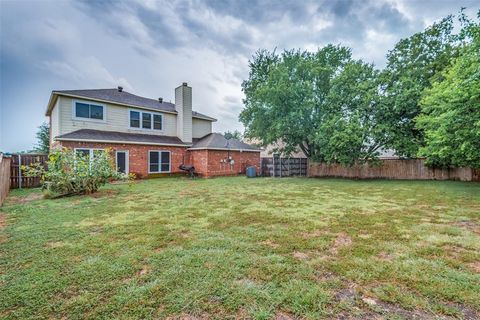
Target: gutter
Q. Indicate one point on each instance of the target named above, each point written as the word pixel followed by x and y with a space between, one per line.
pixel 123 142
pixel 224 149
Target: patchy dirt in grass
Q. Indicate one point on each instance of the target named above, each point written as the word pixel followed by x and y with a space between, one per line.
pixel 347 295
pixel 475 266
pixel 314 234
pixel 455 250
pixel 104 194
pixel 385 256
pixel 245 282
pixel 24 199
pixel 270 244
pixel 397 311
pixel 186 316
pixel 469 225
pixel 3 222
pixel 364 236
pixel 342 240
pixel 242 314
pixel 95 230
pixel 145 269
pixel 284 316
pixel 300 255
pixel 55 244
pixel 326 276
pixel 466 312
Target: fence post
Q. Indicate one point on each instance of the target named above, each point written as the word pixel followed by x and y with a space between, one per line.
pixel 19 171
pixel 280 166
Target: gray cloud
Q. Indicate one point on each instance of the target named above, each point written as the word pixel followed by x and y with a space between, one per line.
pixel 151 46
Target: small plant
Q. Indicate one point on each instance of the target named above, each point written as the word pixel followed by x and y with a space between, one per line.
pixel 69 173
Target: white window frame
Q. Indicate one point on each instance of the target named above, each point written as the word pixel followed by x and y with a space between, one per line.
pixel 74 113
pixel 90 151
pixel 141 128
pixel 160 161
pixel 127 160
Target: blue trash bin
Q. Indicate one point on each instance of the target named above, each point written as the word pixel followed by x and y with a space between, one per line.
pixel 251 172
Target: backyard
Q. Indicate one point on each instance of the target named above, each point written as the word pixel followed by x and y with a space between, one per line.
pixel 244 248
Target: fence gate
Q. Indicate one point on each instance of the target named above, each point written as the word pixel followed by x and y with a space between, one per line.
pixel 277 166
pixel 17 179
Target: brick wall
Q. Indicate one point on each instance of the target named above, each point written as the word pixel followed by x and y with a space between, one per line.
pixel 138 155
pixel 208 163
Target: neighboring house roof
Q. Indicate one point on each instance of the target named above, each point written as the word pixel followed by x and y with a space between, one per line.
pixel 269 150
pixel 89 135
pixel 216 141
pixel 123 98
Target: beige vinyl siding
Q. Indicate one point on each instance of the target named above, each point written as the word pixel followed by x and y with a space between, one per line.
pixel 55 121
pixel 116 119
pixel 201 127
pixel 183 105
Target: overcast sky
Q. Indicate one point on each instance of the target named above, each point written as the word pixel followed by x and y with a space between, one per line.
pixel 150 47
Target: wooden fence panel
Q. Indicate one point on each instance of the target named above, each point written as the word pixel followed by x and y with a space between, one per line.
pixel 408 169
pixel 4 177
pixel 17 179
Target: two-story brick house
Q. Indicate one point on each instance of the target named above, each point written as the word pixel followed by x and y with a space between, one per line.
pixel 148 137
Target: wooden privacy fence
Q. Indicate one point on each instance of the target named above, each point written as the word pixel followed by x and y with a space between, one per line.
pixel 409 169
pixel 4 177
pixel 17 179
pixel 283 167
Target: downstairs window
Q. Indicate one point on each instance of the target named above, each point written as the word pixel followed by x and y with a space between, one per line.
pixel 158 161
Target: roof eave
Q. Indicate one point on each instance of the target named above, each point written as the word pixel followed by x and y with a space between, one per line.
pixel 51 103
pixel 205 118
pixel 225 149
pixel 122 142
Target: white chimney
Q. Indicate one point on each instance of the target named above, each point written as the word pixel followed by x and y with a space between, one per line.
pixel 183 105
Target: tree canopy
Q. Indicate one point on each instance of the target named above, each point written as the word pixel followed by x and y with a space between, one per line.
pixel 233 135
pixel 323 103
pixel 338 109
pixel 43 139
pixel 451 111
pixel 411 65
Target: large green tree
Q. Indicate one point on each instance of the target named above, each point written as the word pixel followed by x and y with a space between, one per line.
pixel 451 110
pixel 324 103
pixel 411 66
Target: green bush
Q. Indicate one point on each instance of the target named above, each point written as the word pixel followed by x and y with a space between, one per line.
pixel 69 173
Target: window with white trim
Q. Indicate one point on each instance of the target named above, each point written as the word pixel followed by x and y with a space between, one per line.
pixel 146 120
pixel 158 161
pixel 89 111
pixel 86 152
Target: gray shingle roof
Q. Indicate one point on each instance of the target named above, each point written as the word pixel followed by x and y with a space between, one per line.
pixel 124 97
pixel 218 141
pixel 121 137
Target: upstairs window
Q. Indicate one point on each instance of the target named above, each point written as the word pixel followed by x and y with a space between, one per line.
pixel 158 161
pixel 157 122
pixel 134 119
pixel 89 111
pixel 146 120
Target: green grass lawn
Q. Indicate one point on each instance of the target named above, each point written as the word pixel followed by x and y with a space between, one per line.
pixel 244 248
